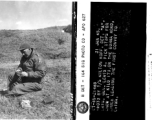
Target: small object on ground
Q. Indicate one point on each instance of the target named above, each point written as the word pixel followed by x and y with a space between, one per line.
pixel 48 100
pixel 26 104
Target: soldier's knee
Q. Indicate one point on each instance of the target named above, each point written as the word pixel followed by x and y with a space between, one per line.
pixel 10 76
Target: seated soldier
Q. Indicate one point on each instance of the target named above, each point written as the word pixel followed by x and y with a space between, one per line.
pixel 29 74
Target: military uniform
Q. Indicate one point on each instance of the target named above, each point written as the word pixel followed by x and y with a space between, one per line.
pixel 35 66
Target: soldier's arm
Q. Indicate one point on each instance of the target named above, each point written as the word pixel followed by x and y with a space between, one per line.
pixel 40 68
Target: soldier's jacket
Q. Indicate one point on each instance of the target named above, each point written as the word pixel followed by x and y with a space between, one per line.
pixel 35 66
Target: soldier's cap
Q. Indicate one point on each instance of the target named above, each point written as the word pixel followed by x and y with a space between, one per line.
pixel 24 46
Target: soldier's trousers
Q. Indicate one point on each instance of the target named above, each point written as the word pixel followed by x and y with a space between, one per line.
pixel 16 86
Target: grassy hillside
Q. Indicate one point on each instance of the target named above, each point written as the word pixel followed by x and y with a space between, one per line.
pixel 55 46
pixel 51 42
pixel 56 86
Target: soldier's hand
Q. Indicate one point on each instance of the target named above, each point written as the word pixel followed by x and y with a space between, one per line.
pixel 18 72
pixel 24 74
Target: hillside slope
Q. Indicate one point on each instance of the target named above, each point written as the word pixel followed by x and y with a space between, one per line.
pixel 51 42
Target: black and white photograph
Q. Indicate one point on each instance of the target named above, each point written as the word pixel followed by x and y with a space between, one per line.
pixel 35 59
pixel 75 60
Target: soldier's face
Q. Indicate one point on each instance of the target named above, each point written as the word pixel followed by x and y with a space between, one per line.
pixel 26 52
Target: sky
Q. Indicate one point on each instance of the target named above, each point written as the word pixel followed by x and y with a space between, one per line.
pixel 34 14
